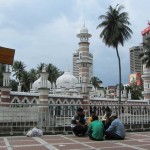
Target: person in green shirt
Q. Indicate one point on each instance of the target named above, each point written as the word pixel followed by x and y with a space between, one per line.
pixel 96 129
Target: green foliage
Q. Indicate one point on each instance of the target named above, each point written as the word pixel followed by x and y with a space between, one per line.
pixel 115 26
pixel 14 85
pixel 115 31
pixel 96 81
pixel 135 90
pixel 18 68
pixel 25 78
pixel 53 73
pixel 25 82
pixel 33 75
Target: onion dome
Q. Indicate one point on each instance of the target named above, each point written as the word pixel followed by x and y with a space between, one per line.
pixel 67 80
pixel 37 84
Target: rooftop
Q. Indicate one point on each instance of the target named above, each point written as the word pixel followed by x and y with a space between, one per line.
pixel 133 141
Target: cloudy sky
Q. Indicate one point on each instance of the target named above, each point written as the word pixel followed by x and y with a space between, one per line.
pixel 44 31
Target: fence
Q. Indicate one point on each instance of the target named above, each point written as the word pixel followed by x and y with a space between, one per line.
pixel 56 118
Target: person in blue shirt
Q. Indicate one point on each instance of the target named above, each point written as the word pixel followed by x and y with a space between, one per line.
pixel 116 130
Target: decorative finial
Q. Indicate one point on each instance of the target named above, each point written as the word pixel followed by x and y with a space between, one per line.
pixel 44 68
pixel 84 24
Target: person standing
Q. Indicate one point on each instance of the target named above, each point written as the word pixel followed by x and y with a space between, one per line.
pixel 96 129
pixel 116 130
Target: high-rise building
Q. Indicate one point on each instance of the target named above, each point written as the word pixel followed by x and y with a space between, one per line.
pixel 135 61
pixel 146 69
pixel 83 49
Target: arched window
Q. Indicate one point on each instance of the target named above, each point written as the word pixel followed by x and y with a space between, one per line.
pixel 51 108
pixel 58 109
pixel 65 109
pixel 15 102
pixel 34 101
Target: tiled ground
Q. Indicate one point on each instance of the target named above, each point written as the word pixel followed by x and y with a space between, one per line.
pixel 133 141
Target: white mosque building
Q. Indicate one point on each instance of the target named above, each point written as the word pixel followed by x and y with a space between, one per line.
pixel 68 89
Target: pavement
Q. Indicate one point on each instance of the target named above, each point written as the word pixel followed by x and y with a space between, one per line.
pixel 133 141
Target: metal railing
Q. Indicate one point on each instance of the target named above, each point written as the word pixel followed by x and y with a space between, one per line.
pixel 56 118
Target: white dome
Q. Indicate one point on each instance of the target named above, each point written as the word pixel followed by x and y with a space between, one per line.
pixel 84 30
pixel 67 80
pixel 37 84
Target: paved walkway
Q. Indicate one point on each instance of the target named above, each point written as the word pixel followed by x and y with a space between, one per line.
pixel 134 140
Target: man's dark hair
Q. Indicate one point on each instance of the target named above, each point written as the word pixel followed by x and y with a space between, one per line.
pixel 80 109
pixel 95 118
pixel 107 109
pixel 92 112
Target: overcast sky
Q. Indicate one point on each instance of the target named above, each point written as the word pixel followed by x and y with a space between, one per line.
pixel 44 31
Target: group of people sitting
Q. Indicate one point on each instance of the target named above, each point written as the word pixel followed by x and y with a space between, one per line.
pixel 110 127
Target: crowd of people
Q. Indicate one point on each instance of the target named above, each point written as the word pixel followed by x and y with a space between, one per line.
pixel 109 127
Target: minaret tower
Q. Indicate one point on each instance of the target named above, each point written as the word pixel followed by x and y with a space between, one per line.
pixel 5 89
pixel 84 63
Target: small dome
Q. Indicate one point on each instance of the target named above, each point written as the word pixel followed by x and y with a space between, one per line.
pixel 37 84
pixel 84 30
pixel 67 80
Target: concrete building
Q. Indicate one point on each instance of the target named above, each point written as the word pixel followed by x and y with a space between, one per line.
pixel 146 70
pixel 135 61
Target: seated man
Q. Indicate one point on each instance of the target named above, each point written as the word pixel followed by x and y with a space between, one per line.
pixel 78 123
pixel 116 129
pixel 96 129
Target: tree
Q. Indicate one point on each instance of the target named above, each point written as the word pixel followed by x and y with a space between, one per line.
pixel 33 75
pixel 40 67
pixel 14 85
pixel 96 82
pixel 135 90
pixel 115 31
pixel 25 81
pixel 53 73
pixel 18 68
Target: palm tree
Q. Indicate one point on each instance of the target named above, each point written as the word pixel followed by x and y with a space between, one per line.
pixel 115 31
pixel 18 68
pixel 14 85
pixel 96 82
pixel 25 81
pixel 53 72
pixel 40 67
pixel 33 75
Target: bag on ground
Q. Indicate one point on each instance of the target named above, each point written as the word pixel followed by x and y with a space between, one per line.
pixel 35 132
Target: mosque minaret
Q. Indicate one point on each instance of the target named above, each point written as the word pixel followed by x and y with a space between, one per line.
pixel 84 63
